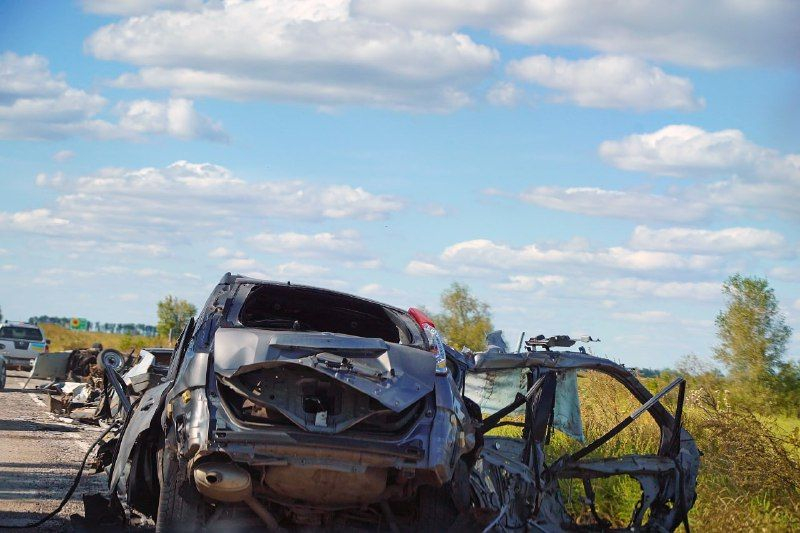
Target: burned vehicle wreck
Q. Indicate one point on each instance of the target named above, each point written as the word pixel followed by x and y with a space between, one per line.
pixel 287 406
pixel 521 484
pixel 299 406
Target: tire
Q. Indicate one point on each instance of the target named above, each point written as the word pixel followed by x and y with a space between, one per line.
pixel 437 512
pixel 180 506
pixel 118 358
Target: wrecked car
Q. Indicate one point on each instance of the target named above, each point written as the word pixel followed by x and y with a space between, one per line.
pixel 288 406
pixel 298 406
pixel 521 485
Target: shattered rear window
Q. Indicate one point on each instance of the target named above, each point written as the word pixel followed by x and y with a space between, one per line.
pixel 280 307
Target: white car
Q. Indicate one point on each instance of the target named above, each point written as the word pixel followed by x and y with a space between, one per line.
pixel 21 343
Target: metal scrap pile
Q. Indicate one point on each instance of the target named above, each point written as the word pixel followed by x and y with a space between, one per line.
pixel 79 388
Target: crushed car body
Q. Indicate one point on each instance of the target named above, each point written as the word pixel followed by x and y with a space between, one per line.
pixel 515 478
pixel 287 406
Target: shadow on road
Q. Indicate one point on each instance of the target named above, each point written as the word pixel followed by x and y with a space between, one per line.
pixel 27 425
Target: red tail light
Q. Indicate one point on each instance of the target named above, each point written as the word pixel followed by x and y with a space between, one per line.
pixel 421 318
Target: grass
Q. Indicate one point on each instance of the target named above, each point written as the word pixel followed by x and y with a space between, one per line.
pixel 750 471
pixel 63 339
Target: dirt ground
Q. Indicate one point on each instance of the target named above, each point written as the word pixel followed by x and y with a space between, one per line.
pixel 39 457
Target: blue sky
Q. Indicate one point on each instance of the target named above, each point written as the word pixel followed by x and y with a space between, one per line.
pixel 585 167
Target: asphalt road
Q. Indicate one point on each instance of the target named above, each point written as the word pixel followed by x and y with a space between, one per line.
pixel 39 457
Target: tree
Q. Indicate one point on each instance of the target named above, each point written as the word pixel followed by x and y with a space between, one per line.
pixel 173 315
pixel 753 334
pixel 464 320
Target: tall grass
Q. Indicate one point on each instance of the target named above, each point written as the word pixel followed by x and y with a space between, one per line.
pixel 63 339
pixel 750 470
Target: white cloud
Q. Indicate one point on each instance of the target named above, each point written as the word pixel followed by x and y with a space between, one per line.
pixel 681 150
pixel 378 291
pixel 36 105
pixel 797 304
pixel 41 221
pixel 728 240
pixel 175 117
pixel 617 82
pixel 754 177
pixel 313 52
pixel 63 156
pixel 219 252
pixel 634 205
pixel 149 210
pixel 504 93
pixel 137 7
pixel 529 283
pixel 422 268
pixel 645 288
pixel 45 180
pixel 294 269
pixel 608 292
pixel 709 34
pixel 483 253
pixel 308 245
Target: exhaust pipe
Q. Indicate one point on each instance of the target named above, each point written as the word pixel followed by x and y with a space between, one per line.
pixel 227 482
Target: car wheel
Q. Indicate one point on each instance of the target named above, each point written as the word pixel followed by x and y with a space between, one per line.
pixel 437 512
pixel 180 506
pixel 111 357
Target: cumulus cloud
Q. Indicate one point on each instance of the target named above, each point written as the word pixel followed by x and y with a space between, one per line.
pixel 688 151
pixel 484 253
pixel 294 269
pixel 312 52
pixel 530 283
pixel 37 105
pixel 724 241
pixel 40 221
pixel 423 268
pixel 504 93
pixel 49 180
pixel 617 82
pixel 175 117
pixel 752 176
pixel 628 287
pixel 186 202
pixel 710 34
pixel 635 205
pixel 572 269
pixel 346 243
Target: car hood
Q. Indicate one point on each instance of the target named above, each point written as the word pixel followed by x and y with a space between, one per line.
pixel 393 374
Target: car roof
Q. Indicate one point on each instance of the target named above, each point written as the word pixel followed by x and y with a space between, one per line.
pixel 20 325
